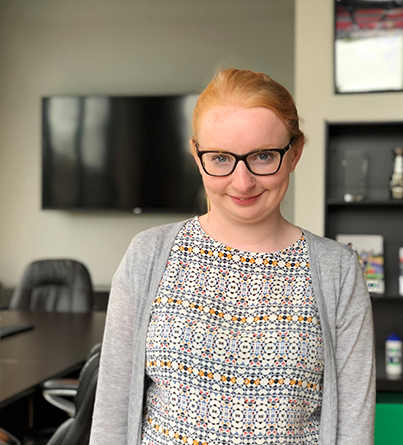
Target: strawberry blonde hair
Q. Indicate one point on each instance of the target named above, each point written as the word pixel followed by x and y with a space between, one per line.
pixel 248 89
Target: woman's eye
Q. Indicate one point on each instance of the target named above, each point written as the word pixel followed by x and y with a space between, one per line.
pixel 264 156
pixel 220 159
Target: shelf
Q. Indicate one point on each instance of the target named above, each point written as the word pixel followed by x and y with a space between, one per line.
pixel 383 203
pixel 386 297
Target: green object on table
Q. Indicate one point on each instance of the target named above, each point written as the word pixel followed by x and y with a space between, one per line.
pixel 388 424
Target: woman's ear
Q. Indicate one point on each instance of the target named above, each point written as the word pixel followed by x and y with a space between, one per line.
pixel 297 153
pixel 194 153
pixel 192 143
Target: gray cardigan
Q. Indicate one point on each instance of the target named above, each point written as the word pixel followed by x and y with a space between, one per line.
pixel 348 408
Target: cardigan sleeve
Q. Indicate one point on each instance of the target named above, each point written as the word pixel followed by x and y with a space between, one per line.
pixel 110 419
pixel 355 361
pixel 118 407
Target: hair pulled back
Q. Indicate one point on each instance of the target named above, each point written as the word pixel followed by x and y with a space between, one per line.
pixel 248 89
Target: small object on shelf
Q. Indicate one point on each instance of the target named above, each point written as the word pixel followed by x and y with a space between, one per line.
pixel 369 249
pixel 401 271
pixel 393 355
pixel 355 165
pixel 396 181
pixel 348 197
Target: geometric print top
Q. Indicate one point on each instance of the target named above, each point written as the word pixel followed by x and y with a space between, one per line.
pixel 234 347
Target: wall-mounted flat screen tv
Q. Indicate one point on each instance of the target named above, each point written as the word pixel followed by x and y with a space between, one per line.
pixel 119 153
pixel 368 46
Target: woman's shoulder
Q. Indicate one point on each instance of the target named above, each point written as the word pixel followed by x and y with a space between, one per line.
pixel 156 237
pixel 148 248
pixel 160 231
pixel 332 260
pixel 327 247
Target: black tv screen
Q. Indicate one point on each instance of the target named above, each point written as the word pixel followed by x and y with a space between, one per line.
pixel 119 153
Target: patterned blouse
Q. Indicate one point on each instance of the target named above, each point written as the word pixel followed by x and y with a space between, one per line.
pixel 234 347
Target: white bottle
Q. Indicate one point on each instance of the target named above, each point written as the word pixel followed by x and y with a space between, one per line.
pixel 393 357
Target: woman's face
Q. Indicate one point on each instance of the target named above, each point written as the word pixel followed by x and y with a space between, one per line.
pixel 243 197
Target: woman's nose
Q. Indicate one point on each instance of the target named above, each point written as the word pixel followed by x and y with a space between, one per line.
pixel 242 178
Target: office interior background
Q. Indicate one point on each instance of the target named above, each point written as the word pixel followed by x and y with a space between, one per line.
pixel 124 47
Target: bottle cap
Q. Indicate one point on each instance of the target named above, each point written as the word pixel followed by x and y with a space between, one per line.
pixel 394 337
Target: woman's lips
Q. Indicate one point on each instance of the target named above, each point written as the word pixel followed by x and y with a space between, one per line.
pixel 247 200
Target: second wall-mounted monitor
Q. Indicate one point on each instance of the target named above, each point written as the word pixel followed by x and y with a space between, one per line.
pixel 368 46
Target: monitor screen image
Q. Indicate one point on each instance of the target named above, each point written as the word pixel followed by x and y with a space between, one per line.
pixel 368 46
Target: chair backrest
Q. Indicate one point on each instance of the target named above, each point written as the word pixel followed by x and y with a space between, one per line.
pixel 76 431
pixel 54 285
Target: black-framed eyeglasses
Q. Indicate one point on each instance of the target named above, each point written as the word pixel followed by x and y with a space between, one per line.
pixel 259 162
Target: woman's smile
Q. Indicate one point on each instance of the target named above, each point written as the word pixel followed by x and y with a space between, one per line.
pixel 247 200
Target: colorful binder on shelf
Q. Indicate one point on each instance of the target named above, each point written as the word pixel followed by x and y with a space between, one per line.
pixel 369 249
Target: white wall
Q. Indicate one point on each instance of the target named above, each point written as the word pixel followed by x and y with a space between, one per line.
pixel 317 103
pixel 111 47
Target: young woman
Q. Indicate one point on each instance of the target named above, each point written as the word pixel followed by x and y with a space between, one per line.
pixel 237 327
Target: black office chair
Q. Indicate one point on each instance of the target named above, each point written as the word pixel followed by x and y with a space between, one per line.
pixel 76 430
pixel 54 285
pixel 61 392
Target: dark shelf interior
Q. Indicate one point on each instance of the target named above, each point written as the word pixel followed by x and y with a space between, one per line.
pixel 360 220
pixel 374 140
pixel 388 316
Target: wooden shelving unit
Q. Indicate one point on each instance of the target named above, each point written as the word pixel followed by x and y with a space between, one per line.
pixel 376 214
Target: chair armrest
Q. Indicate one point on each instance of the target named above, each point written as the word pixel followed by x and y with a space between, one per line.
pixel 7 439
pixel 59 391
pixel 69 384
pixel 57 397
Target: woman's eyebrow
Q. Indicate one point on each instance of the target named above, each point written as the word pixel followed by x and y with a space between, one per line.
pixel 262 147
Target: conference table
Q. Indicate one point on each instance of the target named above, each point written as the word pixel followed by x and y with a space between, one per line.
pixel 57 345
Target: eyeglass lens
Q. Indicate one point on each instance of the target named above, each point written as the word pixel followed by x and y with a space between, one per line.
pixel 262 162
